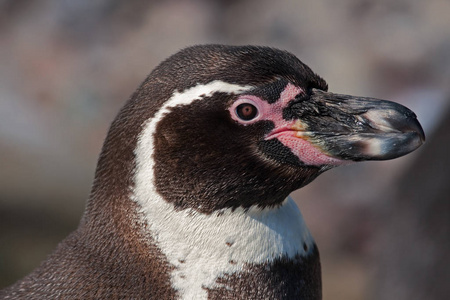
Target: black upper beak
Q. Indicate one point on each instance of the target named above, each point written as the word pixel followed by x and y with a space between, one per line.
pixel 358 128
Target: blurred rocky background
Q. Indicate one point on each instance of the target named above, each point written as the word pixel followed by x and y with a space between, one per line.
pixel 66 67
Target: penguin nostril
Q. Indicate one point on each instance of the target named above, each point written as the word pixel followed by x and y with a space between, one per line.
pixel 305 247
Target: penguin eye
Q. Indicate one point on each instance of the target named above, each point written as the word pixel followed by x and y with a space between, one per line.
pixel 246 111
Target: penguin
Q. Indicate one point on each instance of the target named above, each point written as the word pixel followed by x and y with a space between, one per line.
pixel 191 192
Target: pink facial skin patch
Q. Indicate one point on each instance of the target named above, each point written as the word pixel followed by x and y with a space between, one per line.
pixel 307 152
pixel 290 133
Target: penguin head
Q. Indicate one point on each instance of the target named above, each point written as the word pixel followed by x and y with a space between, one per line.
pixel 216 127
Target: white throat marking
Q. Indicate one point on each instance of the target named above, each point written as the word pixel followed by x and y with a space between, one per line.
pixel 203 247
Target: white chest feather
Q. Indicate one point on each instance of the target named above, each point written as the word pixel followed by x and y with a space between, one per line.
pixel 203 247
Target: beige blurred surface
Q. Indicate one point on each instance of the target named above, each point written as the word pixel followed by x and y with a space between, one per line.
pixel 66 67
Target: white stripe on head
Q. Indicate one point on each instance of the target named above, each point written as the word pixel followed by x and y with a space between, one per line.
pixel 201 246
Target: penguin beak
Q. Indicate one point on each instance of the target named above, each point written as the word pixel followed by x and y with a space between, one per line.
pixel 356 128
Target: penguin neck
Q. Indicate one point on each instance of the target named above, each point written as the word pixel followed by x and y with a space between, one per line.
pixel 202 247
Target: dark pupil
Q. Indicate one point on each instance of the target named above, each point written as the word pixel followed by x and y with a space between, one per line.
pixel 246 111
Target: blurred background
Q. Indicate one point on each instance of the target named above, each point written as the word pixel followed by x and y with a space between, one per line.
pixel 66 67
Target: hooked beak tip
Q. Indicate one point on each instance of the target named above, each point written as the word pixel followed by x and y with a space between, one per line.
pixel 413 125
